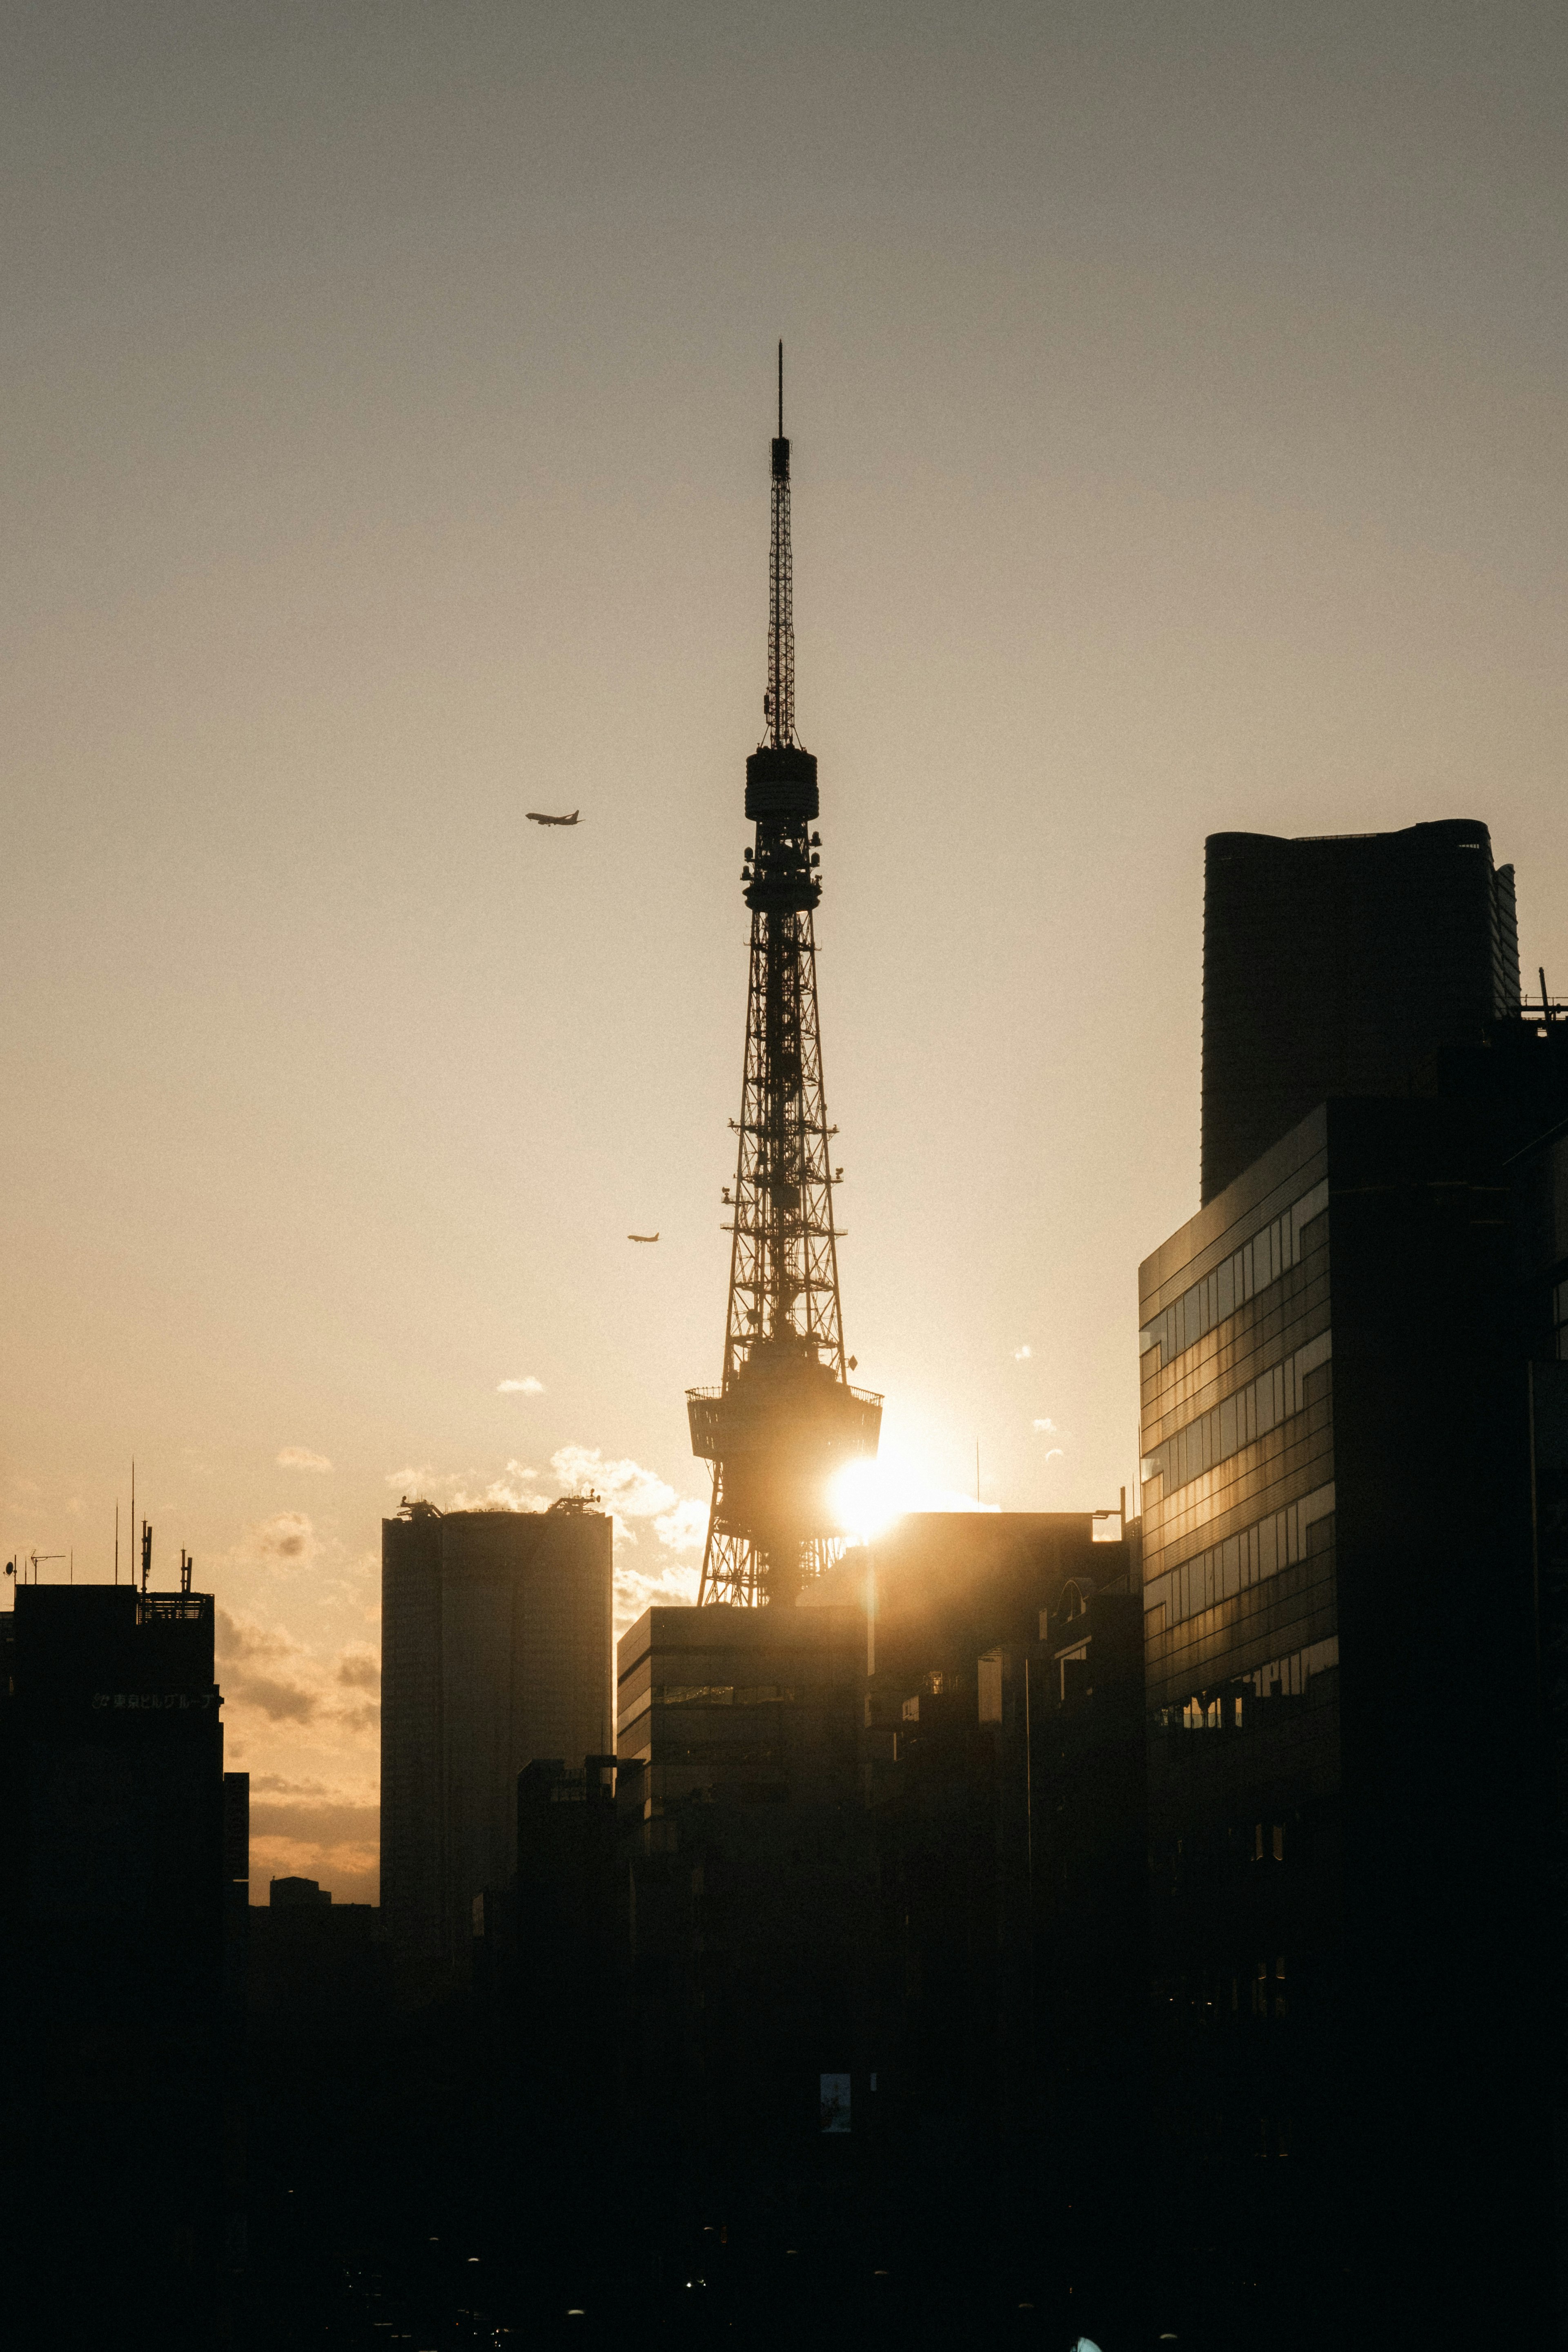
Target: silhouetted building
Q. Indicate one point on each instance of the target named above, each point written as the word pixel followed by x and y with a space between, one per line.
pixel 1348 1811
pixel 749 1900
pixel 113 1869
pixel 1004 1761
pixel 297 1895
pixel 496 1649
pixel 566 1930
pixel 1342 966
pixel 316 1966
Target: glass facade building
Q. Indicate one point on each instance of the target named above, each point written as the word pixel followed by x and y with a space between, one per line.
pixel 1349 1814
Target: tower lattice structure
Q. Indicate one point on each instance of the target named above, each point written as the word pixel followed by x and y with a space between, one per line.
pixel 784 1417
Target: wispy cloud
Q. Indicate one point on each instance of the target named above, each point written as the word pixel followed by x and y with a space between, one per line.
pixel 259 1669
pixel 684 1529
pixel 287 1541
pixel 625 1486
pixel 1047 1427
pixel 1054 1453
pixel 300 1457
pixel 530 1387
pixel 634 1496
pixel 306 1829
pixel 1022 1355
pixel 263 1668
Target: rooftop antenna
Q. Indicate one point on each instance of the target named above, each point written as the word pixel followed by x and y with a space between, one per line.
pixel 780 387
pixel 146 1554
pixel 117 1538
pixel 187 1564
pixel 35 1557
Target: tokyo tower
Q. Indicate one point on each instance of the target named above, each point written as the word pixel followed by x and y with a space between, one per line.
pixel 784 1417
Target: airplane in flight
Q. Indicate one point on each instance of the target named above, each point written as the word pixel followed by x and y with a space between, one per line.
pixel 642 1237
pixel 537 816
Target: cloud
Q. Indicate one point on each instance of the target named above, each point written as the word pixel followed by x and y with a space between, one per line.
pixel 662 1583
pixel 511 1492
pixel 305 1829
pixel 1047 1428
pixel 320 1824
pixel 263 1668
pixel 255 1662
pixel 300 1457
pixel 413 1480
pixel 684 1529
pixel 1022 1355
pixel 1054 1453
pixel 286 1540
pixel 530 1387
pixel 632 1496
pixel 669 1579
pixel 628 1490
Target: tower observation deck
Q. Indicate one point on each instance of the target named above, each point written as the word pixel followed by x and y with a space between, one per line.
pixel 784 1418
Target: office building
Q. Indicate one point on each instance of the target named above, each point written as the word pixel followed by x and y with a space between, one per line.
pixel 496 1651
pixel 748 1886
pixel 1342 966
pixel 114 1873
pixel 1004 1776
pixel 1348 1811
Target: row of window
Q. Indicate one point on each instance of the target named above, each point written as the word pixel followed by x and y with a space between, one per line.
pixel 1281 1678
pixel 1260 1990
pixel 707 1695
pixel 1237 1420
pixel 1248 1270
pixel 1244 1559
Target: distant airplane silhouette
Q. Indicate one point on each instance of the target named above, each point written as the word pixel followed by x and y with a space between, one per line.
pixel 642 1237
pixel 536 816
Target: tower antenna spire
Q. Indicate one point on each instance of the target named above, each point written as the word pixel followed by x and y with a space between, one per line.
pixel 785 1418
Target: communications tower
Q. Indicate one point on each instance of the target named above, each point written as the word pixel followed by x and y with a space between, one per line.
pixel 784 1417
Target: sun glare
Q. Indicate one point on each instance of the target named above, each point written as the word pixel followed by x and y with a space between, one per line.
pixel 863 1499
pixel 868 1496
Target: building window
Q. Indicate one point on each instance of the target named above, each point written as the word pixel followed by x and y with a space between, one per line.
pixel 1072 1670
pixel 1238 1420
pixel 1249 1557
pixel 1253 1269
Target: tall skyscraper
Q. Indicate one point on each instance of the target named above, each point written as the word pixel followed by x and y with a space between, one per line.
pixel 496 1651
pixel 1350 1820
pixel 1342 966
pixel 783 1418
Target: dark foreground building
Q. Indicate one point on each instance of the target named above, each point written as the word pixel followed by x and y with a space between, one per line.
pixel 748 1879
pixel 1340 966
pixel 1003 1749
pixel 881 1860
pixel 1348 1599
pixel 123 2191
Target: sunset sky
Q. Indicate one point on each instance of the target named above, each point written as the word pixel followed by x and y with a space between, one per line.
pixel 1177 396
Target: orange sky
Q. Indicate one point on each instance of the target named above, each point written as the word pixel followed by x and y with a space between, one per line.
pixel 1177 402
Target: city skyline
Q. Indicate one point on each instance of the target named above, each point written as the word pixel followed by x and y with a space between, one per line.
pixel 388 412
